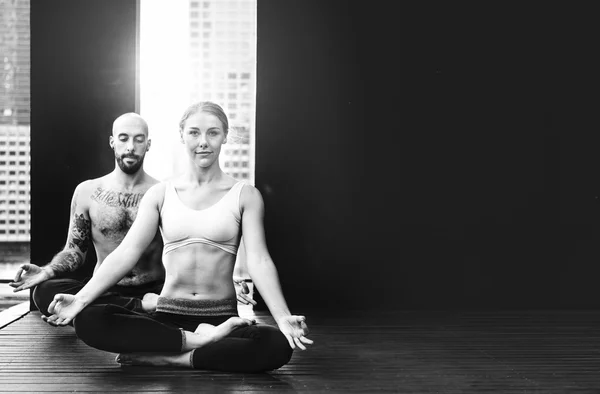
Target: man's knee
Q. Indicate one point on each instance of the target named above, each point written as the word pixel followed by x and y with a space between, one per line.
pixel 42 295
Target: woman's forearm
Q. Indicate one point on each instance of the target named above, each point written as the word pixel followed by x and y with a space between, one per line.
pixel 265 277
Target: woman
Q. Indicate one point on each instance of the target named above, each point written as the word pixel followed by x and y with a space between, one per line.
pixel 202 215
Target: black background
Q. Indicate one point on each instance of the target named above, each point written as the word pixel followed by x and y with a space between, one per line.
pixel 432 156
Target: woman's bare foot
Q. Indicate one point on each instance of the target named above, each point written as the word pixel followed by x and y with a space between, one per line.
pixel 155 359
pixel 204 334
pixel 149 302
pixel 207 333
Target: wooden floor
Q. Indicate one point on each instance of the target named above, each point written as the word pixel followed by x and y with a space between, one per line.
pixel 405 352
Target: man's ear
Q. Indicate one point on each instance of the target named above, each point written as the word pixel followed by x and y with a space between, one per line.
pixel 148 146
pixel 111 142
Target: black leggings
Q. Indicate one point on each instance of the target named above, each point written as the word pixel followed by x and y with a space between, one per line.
pixel 127 297
pixel 115 329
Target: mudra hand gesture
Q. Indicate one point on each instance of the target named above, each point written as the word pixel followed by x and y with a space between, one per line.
pixel 64 308
pixel 242 290
pixel 295 330
pixel 29 276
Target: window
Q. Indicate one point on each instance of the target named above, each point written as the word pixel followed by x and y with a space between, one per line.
pixel 215 42
pixel 221 70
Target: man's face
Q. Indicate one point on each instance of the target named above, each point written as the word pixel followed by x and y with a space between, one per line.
pixel 130 143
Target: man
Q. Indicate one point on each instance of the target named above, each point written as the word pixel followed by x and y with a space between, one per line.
pixel 102 211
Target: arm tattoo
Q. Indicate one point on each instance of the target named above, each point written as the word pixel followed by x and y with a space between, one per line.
pixel 71 258
pixel 66 261
pixel 80 235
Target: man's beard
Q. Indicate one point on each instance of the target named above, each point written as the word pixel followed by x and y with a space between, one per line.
pixel 130 169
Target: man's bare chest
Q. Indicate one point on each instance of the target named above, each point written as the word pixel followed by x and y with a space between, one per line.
pixel 112 213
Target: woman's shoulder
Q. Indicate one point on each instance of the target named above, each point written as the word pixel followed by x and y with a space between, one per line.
pixel 156 191
pixel 250 194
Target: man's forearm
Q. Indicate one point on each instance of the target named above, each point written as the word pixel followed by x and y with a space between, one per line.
pixel 63 262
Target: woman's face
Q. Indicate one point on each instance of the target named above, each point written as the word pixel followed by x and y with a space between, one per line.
pixel 203 135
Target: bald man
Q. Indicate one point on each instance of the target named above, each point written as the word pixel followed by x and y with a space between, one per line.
pixel 102 211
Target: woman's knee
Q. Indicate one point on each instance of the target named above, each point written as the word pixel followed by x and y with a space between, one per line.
pixel 89 325
pixel 277 347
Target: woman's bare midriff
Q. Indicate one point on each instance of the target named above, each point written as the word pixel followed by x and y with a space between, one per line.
pixel 199 272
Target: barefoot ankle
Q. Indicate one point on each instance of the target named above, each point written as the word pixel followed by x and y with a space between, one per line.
pixel 156 359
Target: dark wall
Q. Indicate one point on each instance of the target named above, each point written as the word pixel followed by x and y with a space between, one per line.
pixel 410 157
pixel 83 57
pixel 438 156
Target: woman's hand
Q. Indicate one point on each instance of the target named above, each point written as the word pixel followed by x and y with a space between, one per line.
pixel 64 308
pixel 294 328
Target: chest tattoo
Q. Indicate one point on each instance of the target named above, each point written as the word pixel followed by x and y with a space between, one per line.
pixel 115 212
pixel 117 199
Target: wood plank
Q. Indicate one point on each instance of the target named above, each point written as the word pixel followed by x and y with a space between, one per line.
pixel 13 313
pixel 363 352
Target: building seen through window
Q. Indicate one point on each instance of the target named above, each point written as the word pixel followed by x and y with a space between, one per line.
pixel 196 51
pixel 14 139
pixel 189 51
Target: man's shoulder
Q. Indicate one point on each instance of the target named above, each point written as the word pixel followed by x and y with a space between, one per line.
pixel 89 185
pixel 150 180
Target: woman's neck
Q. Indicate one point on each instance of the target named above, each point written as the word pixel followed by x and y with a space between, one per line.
pixel 202 175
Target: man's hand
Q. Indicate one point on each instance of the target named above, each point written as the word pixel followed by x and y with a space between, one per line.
pixel 242 291
pixel 64 308
pixel 28 276
pixel 294 328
